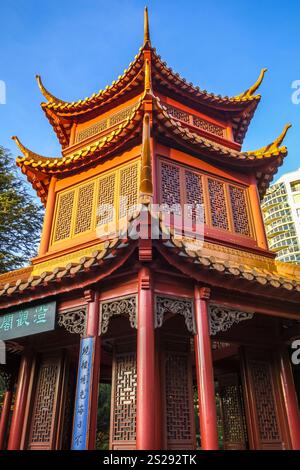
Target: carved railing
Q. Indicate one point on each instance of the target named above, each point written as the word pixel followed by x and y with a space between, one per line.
pixel 104 124
pixel 196 121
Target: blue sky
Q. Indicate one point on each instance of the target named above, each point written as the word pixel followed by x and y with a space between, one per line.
pixel 79 47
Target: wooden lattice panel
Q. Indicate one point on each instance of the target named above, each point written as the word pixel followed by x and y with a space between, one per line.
pixel 104 124
pixel 45 405
pixel 106 199
pixel 170 185
pixel 64 216
pixel 268 424
pixel 194 195
pixel 179 403
pixel 123 423
pixel 218 208
pixel 239 210
pixel 233 418
pixel 128 189
pixel 196 121
pixel 84 208
pixel 208 126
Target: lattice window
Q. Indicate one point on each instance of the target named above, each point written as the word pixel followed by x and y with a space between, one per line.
pixel 92 130
pixel 196 121
pixel 84 208
pixel 265 402
pixel 43 415
pixel 120 116
pixel 178 114
pixel 64 216
pixel 170 186
pixel 219 217
pixel 104 124
pixel 208 126
pixel 106 199
pixel 239 210
pixel 194 195
pixel 178 398
pixel 233 418
pixel 128 189
pixel 124 397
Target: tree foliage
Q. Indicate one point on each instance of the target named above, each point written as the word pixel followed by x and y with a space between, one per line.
pixel 20 217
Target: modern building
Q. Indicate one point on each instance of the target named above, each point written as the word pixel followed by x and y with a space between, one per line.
pixel 169 326
pixel 281 211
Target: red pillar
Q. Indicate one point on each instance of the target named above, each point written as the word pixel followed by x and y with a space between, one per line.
pixel 92 330
pixel 205 375
pixel 145 416
pixel 17 422
pixel 5 417
pixel 290 399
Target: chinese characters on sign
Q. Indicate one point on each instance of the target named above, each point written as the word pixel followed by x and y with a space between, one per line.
pixel 28 321
pixel 80 429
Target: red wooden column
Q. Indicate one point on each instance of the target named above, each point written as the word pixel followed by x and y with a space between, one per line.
pixel 47 226
pixel 93 331
pixel 290 399
pixel 205 374
pixel 145 414
pixel 5 415
pixel 17 422
pixel 86 401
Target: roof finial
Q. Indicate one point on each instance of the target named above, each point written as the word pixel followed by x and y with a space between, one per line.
pixel 250 92
pixel 146 27
pixel 273 147
pixel 277 142
pixel 148 84
pixel 22 147
pixel 46 93
pixel 146 186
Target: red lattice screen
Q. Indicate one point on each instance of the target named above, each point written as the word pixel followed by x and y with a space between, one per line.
pixel 123 403
pixel 265 404
pixel 45 409
pixel 239 210
pixel 233 417
pixel 224 205
pixel 179 402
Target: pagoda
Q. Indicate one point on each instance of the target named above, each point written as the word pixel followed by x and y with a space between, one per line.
pixel 169 325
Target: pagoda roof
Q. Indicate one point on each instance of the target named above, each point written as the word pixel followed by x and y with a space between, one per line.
pixel 239 108
pixel 39 169
pixel 209 263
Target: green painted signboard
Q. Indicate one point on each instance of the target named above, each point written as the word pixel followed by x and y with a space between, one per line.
pixel 28 321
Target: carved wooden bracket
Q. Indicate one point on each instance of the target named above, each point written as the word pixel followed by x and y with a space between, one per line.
pixel 73 320
pixel 121 306
pixel 222 318
pixel 174 305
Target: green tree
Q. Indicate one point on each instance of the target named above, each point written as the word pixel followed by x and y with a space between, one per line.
pixel 20 217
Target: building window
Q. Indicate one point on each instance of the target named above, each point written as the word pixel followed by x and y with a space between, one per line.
pixel 225 204
pixel 295 186
pixel 96 203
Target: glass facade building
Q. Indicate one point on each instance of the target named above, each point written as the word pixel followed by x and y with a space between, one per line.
pixel 281 211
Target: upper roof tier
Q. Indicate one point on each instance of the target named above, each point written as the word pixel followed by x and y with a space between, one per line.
pixel 237 109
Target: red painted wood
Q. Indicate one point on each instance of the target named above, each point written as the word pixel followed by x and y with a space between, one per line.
pixel 145 419
pixel 17 423
pixel 290 400
pixel 92 330
pixel 205 375
pixel 5 417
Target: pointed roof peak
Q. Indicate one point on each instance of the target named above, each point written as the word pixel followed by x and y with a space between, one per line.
pixel 147 40
pixel 49 97
pixel 248 94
